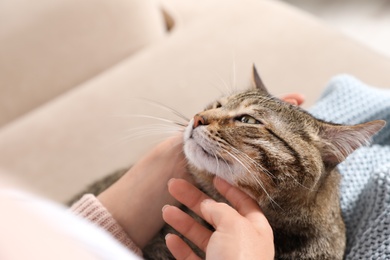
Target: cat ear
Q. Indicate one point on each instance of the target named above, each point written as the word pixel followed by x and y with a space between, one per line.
pixel 259 85
pixel 341 140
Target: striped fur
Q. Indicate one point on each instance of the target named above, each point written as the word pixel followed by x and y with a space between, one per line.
pixel 285 159
pixel 282 157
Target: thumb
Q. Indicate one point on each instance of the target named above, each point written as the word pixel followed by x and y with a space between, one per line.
pixel 218 214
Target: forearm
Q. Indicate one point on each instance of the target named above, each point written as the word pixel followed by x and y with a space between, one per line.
pixel 90 208
pixel 136 200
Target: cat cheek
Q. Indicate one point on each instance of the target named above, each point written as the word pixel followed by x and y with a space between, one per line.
pixel 188 130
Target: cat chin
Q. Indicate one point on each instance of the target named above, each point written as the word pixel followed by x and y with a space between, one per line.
pixel 199 157
pixel 205 161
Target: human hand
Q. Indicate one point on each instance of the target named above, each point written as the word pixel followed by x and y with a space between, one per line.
pixel 136 199
pixel 146 182
pixel 241 231
pixel 294 99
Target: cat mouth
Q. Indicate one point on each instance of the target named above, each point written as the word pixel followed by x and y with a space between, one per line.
pixel 199 154
pixel 202 150
pixel 209 154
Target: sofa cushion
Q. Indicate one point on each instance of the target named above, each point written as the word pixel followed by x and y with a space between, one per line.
pixel 82 135
pixel 48 47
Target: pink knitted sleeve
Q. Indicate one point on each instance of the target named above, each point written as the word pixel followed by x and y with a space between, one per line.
pixel 90 208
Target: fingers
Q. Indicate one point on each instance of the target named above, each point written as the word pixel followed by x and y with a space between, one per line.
pixel 179 249
pixel 237 198
pixel 294 99
pixel 187 226
pixel 192 197
pixel 230 223
pixel 187 194
pixel 219 214
pixel 244 204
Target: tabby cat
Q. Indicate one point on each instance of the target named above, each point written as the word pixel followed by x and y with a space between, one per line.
pixel 281 156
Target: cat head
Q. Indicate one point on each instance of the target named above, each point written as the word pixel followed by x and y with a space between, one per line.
pixel 266 146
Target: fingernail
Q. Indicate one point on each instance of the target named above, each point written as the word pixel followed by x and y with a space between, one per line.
pixel 165 206
pixel 170 181
pixel 208 201
pixel 167 235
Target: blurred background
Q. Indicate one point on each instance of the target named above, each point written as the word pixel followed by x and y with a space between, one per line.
pixel 365 20
pixel 70 69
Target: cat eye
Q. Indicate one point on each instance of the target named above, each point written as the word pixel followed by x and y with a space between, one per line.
pixel 248 120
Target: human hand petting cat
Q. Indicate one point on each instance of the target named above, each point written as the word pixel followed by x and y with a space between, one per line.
pixel 241 231
pixel 146 180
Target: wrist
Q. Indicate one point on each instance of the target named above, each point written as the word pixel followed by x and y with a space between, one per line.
pixel 135 201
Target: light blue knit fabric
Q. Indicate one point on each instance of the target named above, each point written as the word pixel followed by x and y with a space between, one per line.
pixel 365 186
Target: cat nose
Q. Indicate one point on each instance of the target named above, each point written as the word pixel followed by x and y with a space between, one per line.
pixel 198 120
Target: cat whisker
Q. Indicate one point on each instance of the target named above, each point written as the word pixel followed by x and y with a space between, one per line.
pixel 217 161
pixel 256 164
pixel 272 201
pixel 227 89
pixel 227 164
pixel 252 176
pixel 251 162
pixel 155 118
pixel 222 86
pixel 170 109
pixel 299 184
pixel 234 73
pixel 160 126
pixel 264 170
pixel 248 163
pixel 215 86
pixel 157 127
pixel 152 130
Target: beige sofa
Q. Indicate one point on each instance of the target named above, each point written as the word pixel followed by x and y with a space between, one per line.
pixel 73 72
